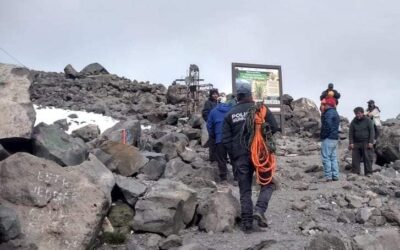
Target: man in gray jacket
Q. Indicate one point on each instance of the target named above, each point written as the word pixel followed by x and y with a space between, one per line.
pixel 361 137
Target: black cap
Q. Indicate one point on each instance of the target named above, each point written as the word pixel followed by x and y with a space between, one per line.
pixel 244 89
pixel 371 101
pixel 330 86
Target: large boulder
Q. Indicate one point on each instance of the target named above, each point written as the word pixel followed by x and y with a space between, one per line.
pixel 94 69
pixel 171 144
pixel 304 116
pixel 16 110
pixel 10 227
pixel 3 153
pixel 87 133
pixel 131 188
pixel 128 160
pixel 385 238
pixel 58 208
pixel 176 94
pixel 326 241
pixel 219 212
pixel 178 170
pixel 98 174
pixel 54 144
pixel 70 72
pixel 154 169
pixel 387 145
pixel 132 129
pixel 166 208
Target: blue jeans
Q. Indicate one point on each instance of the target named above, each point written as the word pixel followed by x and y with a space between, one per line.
pixel 329 158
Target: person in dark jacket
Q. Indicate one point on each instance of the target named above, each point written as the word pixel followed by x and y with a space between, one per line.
pixel 361 138
pixel 231 137
pixel 214 126
pixel 330 92
pixel 329 138
pixel 208 106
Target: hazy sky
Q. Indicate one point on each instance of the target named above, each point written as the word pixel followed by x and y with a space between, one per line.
pixel 353 43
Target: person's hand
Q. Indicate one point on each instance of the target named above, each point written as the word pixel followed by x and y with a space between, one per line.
pixel 351 146
pixel 370 145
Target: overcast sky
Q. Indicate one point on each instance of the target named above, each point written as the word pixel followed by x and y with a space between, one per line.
pixel 353 43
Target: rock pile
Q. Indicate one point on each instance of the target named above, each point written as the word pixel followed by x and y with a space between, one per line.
pixel 157 189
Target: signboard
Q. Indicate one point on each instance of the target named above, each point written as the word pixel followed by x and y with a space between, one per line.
pixel 265 82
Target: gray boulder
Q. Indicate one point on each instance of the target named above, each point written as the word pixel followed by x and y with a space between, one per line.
pixel 70 72
pixel 166 208
pixel 128 160
pixel 219 212
pixel 172 241
pixel 196 121
pixel 154 169
pixel 176 94
pixel 132 128
pixel 388 143
pixel 98 174
pixel 131 188
pixel 172 118
pixel 171 144
pixel 177 170
pixel 385 238
pixel 105 158
pixel 3 153
pixel 94 69
pixel 305 117
pixel 194 246
pixel 49 199
pixel 326 241
pixel 62 124
pixel 87 133
pixel 52 143
pixel 16 109
pixel 10 227
pixel 189 155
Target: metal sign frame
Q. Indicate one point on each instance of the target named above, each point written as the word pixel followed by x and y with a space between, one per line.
pixel 276 108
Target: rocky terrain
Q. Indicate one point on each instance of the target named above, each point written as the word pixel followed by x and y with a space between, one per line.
pixel 87 190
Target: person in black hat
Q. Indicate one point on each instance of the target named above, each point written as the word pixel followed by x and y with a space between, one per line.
pixel 232 138
pixel 330 92
pixel 208 106
pixel 361 138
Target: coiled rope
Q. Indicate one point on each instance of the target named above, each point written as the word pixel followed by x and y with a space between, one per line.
pixel 261 151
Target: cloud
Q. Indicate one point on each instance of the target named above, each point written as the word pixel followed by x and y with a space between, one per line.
pixel 353 44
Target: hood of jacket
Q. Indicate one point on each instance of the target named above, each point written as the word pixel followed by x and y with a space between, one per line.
pixel 224 107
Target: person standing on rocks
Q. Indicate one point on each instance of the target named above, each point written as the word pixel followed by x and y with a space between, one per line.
pixel 361 137
pixel 374 113
pixel 214 126
pixel 234 123
pixel 329 137
pixel 208 106
pixel 330 92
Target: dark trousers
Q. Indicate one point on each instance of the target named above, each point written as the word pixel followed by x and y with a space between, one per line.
pixel 362 152
pixel 245 175
pixel 234 169
pixel 221 157
pixel 211 149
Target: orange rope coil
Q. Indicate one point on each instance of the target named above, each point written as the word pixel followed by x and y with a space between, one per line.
pixel 264 161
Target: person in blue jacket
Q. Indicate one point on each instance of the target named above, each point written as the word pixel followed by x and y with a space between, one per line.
pixel 329 138
pixel 214 126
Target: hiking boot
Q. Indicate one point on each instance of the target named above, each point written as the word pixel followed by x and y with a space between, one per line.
pixel 249 228
pixel 335 178
pixel 246 228
pixel 260 218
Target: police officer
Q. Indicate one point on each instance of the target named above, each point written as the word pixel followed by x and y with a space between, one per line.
pixel 232 139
